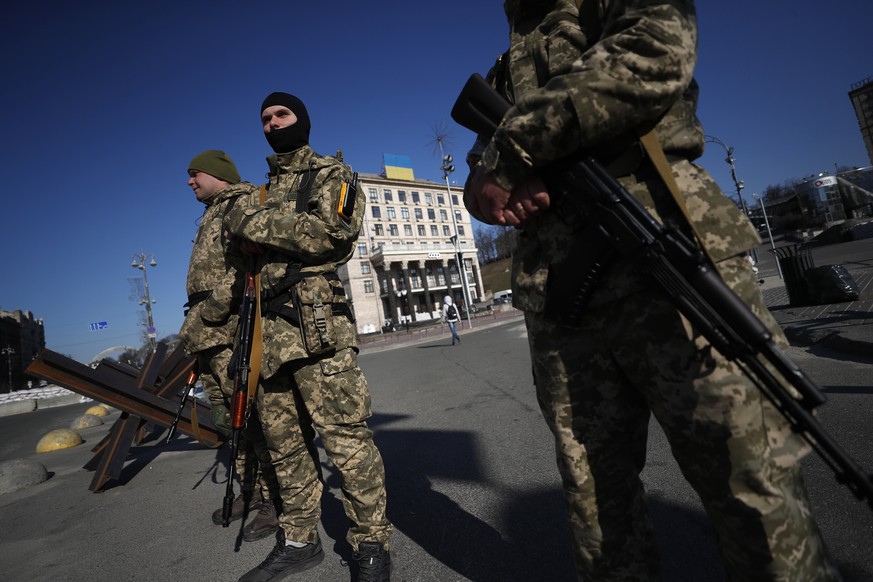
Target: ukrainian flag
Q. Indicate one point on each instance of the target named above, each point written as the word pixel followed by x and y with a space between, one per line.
pixel 397 167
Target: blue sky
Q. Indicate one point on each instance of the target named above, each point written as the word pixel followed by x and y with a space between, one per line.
pixel 103 106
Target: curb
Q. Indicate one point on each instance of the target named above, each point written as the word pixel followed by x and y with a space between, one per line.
pixel 17 407
pixel 34 404
pixel 805 337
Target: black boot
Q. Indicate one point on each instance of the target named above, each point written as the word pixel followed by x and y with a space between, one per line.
pixel 284 560
pixel 238 509
pixel 374 563
pixel 265 523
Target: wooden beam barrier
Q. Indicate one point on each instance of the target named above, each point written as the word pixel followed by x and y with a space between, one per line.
pixel 150 395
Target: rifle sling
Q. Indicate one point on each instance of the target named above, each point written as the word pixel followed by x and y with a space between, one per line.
pixel 655 152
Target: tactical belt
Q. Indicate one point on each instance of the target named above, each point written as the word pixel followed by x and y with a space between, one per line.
pixel 277 300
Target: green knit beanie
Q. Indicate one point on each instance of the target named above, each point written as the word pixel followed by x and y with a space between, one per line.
pixel 215 163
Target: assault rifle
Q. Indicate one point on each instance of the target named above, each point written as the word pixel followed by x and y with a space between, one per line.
pixel 682 272
pixel 189 384
pixel 239 400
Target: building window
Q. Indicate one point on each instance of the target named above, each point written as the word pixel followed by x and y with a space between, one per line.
pixel 401 196
pixel 368 286
pixel 414 282
pixel 458 216
pixel 434 231
pixel 443 214
pixel 453 274
pixel 441 199
pixel 461 230
pixel 421 230
pixel 418 214
pixel 415 198
pixel 376 212
pixel 392 230
pixel 428 198
pixel 446 231
pixel 407 229
pixel 365 267
pixel 362 249
pixel 391 214
pixel 387 195
pixel 378 230
pixel 374 195
pixel 404 213
pixel 431 214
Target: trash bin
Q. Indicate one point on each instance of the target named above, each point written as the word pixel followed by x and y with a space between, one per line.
pixel 831 284
pixel 795 261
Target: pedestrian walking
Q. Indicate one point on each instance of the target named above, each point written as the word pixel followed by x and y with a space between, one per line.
pixel 451 317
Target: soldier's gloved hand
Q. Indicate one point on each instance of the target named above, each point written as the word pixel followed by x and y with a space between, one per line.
pixel 221 420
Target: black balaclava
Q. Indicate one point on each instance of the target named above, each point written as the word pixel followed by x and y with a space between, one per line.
pixel 291 138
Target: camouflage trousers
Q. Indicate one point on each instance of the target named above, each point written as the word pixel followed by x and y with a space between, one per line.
pixel 635 357
pixel 328 396
pixel 252 465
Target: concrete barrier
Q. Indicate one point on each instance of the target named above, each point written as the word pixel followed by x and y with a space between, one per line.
pixel 17 407
pixel 60 401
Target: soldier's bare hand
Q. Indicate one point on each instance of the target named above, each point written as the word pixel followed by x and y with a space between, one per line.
pixel 526 201
pixel 486 199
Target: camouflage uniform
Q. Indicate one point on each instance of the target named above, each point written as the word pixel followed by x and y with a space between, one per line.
pixel 299 386
pixel 596 81
pixel 212 319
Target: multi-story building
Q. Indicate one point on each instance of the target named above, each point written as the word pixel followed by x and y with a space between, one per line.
pixel 415 234
pixel 861 94
pixel 22 337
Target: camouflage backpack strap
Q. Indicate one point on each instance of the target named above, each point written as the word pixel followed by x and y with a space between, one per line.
pixel 306 188
pixel 258 333
pixel 589 17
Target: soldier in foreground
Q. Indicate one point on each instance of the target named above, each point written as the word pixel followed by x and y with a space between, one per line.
pixel 593 77
pixel 309 374
pixel 211 322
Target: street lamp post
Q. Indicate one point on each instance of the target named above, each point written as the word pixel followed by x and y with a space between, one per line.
pixel 737 182
pixel 769 234
pixel 9 351
pixel 447 167
pixel 139 262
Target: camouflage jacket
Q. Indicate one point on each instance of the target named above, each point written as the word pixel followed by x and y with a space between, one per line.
pixel 212 280
pixel 595 81
pixel 314 241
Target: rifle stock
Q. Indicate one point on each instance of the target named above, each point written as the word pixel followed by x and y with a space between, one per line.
pixel 681 270
pixel 239 400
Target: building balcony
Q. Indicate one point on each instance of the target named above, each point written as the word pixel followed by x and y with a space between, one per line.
pixel 381 253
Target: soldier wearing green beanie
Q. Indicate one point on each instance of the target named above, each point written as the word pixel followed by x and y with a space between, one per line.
pixel 210 327
pixel 216 163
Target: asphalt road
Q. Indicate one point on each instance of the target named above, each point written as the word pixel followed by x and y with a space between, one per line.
pixel 473 489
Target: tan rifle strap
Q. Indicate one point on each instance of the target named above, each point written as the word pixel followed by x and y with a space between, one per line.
pixel 656 154
pixel 197 431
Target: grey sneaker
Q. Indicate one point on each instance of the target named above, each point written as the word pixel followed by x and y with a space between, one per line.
pixel 284 560
pixel 374 563
pixel 264 523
